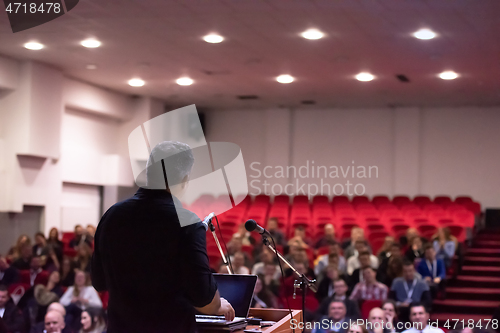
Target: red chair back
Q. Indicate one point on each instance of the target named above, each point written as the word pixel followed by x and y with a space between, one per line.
pixel 368 306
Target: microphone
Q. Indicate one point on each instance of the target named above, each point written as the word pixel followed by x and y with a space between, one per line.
pixel 251 225
pixel 207 222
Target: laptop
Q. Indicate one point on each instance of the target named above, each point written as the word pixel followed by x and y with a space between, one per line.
pixel 238 291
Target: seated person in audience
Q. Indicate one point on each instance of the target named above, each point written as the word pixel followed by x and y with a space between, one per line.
pixel 67 272
pixel 419 317
pixel 38 298
pixel 376 322
pixel 394 251
pixel 364 259
pixel 391 316
pixel 357 234
pixel 265 257
pixel 57 245
pixel 353 261
pixel 339 294
pixel 236 245
pixel 35 268
pixel 394 270
pixel 385 251
pixel 445 245
pixel 323 260
pixel 90 232
pixel 415 250
pixel 80 236
pixel 8 273
pixel 54 322
pixel 412 233
pixel 272 276
pixel 23 262
pixel 40 326
pixel 409 289
pixel 369 288
pixel 41 247
pixel 263 297
pixel 325 286
pixel 357 328
pixel 300 257
pixel 287 288
pixel 273 228
pixel 299 238
pixel 336 315
pixel 245 236
pixel 10 314
pixel 238 264
pixel 79 297
pixel 432 270
pixel 327 238
pixel 16 250
pixel 84 255
pixel 92 321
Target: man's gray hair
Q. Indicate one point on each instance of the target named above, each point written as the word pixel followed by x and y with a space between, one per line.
pixel 177 163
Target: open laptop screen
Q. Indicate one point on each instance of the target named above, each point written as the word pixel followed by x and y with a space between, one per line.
pixel 237 290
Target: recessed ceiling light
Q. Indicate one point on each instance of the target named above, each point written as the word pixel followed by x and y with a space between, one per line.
pixel 213 38
pixel 90 43
pixel 312 34
pixel 33 46
pixel 364 77
pixel 424 34
pixel 136 82
pixel 285 78
pixel 91 66
pixel 448 75
pixel 184 81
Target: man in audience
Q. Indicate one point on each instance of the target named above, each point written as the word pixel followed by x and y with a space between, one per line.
pixel 353 261
pixel 357 274
pixel 376 322
pixel 419 318
pixel 409 289
pixel 433 271
pixel 340 294
pixel 357 234
pixel 266 257
pixel 23 263
pixel 10 314
pixel 8 273
pixel 35 268
pixel 54 322
pixel 238 264
pixel 300 238
pixel 55 306
pixel 80 236
pixel 336 319
pixel 327 238
pixel 272 227
pixel 394 251
pixel 323 261
pixel 370 288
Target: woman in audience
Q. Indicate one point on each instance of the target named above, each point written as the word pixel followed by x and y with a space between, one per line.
pixel 262 297
pixel 79 297
pixel 299 238
pixel 385 250
pixel 82 261
pixel 244 235
pixel 90 233
pixel 56 244
pixel 391 316
pixel 41 296
pixel 445 245
pixel 67 272
pixel 355 328
pixel 42 249
pixel 416 249
pixel 325 287
pixel 394 270
pixel 15 251
pixel 92 321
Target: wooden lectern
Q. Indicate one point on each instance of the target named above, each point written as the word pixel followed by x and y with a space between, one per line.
pixel 280 316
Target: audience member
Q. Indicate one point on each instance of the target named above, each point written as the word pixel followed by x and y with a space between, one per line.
pixel 445 245
pixel 339 294
pixel 40 248
pixel 92 321
pixel 273 228
pixel 357 328
pixel 419 317
pixel 391 316
pixel 385 250
pixel 10 314
pixel 369 288
pixel 272 276
pixel 40 297
pixel 391 266
pixel 353 262
pixel 23 262
pixel 56 244
pixel 35 268
pixel 54 322
pixel 415 250
pixel 327 238
pixel 67 272
pixel 39 327
pixel 299 256
pixel 357 275
pixel 90 233
pixel 299 238
pixel 335 318
pixel 77 298
pixel 357 234
pixel 8 273
pixel 238 264
pixel 324 260
pixel 84 255
pixel 408 289
pixel 263 297
pixel 432 270
pixel 15 252
pixel 326 287
pixel 269 258
pixel 80 236
pixel 376 322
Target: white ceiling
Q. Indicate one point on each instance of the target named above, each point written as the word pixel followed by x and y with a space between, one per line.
pixel 160 40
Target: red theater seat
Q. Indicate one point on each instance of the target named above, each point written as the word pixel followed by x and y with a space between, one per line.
pixel 368 306
pixel 401 200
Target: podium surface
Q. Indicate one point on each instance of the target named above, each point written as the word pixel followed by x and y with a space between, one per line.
pixel 280 316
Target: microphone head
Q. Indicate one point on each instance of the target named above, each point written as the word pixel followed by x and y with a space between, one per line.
pixel 250 225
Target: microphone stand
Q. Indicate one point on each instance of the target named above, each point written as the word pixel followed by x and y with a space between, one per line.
pixel 224 259
pixel 304 281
